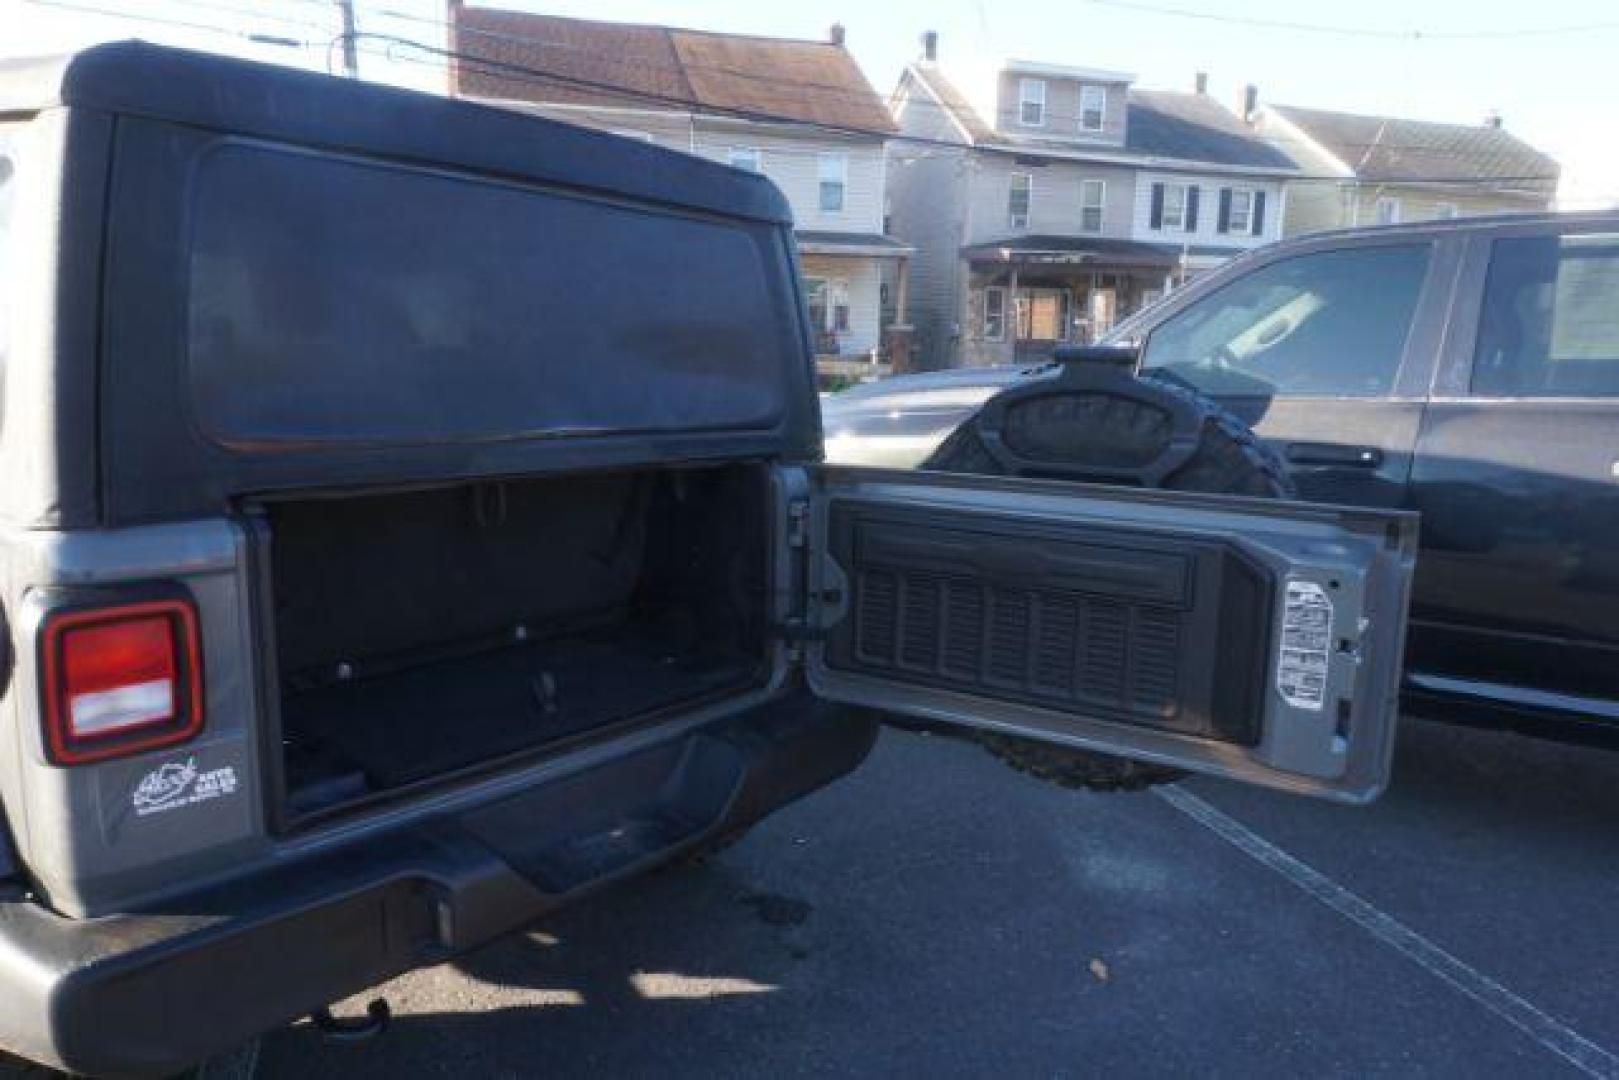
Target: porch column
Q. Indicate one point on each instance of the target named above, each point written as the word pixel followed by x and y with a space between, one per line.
pixel 899 345
pixel 902 292
pixel 1010 315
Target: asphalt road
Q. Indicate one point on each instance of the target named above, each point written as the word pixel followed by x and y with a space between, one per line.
pixel 938 913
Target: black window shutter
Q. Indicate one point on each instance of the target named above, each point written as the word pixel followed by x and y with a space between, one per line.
pixel 1191 208
pixel 1224 224
pixel 1259 212
pixel 1157 221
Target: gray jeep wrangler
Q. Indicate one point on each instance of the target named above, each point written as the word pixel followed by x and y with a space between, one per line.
pixel 412 520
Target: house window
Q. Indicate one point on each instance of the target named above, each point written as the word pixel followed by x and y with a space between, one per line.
pixel 1032 102
pixel 995 314
pixel 744 157
pixel 815 297
pixel 840 307
pixel 1174 207
pixel 1241 217
pixel 1092 107
pixel 827 301
pixel 834 172
pixel 1018 200
pixel 1092 194
pixel 1388 210
pixel 1446 210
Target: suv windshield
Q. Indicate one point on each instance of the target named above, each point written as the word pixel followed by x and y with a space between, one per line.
pixel 1331 324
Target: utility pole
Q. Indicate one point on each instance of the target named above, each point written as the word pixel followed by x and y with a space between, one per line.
pixel 351 48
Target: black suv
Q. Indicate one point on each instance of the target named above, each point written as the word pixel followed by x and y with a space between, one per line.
pixel 1465 369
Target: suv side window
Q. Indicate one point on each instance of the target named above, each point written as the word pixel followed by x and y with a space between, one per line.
pixel 1550 322
pixel 1327 324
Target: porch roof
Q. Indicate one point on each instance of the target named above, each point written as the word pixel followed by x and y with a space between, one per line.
pixel 812 242
pixel 1098 251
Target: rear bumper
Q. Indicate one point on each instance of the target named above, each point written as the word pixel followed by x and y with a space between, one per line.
pixel 151 993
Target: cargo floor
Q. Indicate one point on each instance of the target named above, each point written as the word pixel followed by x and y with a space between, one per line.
pixel 437 718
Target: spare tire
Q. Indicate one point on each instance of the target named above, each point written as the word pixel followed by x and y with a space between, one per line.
pixel 1093 420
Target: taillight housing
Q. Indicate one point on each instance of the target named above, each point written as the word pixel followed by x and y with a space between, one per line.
pixel 120 679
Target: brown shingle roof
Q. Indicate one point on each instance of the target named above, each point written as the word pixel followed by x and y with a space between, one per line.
pixel 1388 148
pixel 628 64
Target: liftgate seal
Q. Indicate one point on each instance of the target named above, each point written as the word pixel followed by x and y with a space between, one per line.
pixel 1301 668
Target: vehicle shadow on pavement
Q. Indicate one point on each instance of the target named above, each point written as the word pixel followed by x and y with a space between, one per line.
pixel 940 913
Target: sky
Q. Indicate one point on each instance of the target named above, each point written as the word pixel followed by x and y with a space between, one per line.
pixel 1548 69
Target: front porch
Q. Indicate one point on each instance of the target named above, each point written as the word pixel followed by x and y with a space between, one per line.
pixel 855 290
pixel 1027 297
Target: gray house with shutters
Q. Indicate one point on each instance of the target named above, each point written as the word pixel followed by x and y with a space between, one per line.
pixel 1085 199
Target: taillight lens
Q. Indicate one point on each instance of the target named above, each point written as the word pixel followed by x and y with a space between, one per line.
pixel 120 680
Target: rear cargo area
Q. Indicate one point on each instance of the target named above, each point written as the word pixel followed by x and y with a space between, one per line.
pixel 420 634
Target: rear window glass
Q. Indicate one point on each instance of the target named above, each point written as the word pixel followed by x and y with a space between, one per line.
pixel 1550 322
pixel 335 300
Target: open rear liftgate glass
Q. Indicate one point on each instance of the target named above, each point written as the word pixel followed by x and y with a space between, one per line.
pixel 1252 639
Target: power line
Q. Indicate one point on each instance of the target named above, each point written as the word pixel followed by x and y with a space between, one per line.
pixel 523 73
pixel 1341 30
pixel 625 91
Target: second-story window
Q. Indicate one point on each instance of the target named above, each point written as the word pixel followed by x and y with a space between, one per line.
pixel 1018 199
pixel 1092 195
pixel 834 173
pixel 1242 211
pixel 1241 218
pixel 1174 207
pixel 1092 107
pixel 1388 210
pixel 1032 102
pixel 744 157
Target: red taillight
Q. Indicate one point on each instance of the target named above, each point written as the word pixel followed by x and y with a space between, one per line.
pixel 119 680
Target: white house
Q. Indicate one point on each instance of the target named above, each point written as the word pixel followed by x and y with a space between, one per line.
pixel 1382 170
pixel 1083 201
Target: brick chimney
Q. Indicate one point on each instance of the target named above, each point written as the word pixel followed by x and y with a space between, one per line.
pixel 836 34
pixel 1250 103
pixel 1493 120
pixel 930 45
pixel 1201 83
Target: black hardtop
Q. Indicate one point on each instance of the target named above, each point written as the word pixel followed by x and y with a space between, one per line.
pixel 273 280
pixel 135 78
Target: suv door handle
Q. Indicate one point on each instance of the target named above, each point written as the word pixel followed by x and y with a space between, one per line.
pixel 1335 454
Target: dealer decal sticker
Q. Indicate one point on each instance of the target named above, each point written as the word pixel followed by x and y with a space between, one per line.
pixel 180 783
pixel 1301 669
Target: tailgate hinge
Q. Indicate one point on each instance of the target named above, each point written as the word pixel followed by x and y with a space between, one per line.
pixel 798 518
pixel 817 598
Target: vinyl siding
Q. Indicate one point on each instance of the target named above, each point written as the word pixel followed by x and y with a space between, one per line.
pixel 927 205
pixel 1062 109
pixel 793 163
pixel 1207 232
pixel 1054 199
pixel 1314 205
pixel 1419 203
